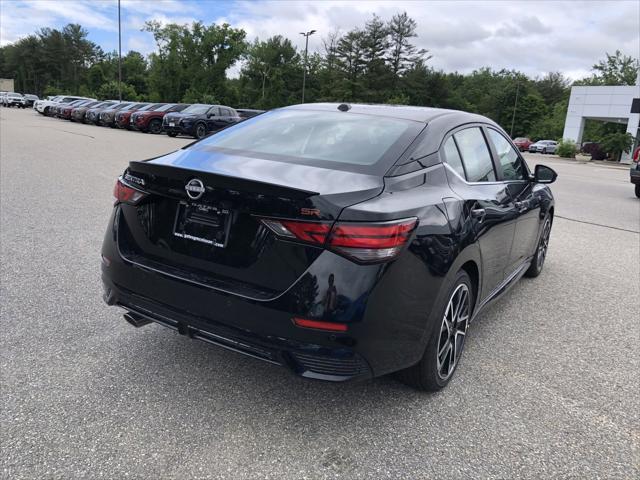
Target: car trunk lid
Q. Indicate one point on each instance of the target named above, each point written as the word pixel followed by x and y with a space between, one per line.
pixel 211 232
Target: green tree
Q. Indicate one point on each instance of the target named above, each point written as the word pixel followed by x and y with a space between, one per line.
pixel 616 143
pixel 272 74
pixel 351 63
pixel 616 69
pixel 378 77
pixel 403 54
pixel 109 91
pixel 553 88
pixel 192 56
pixel 550 126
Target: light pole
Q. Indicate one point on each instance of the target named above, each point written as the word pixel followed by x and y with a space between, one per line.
pixel 306 49
pixel 515 106
pixel 119 56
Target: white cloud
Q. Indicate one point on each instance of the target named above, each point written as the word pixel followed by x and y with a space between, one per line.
pixel 531 36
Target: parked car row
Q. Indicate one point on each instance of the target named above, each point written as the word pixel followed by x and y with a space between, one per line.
pixel 195 120
pixel 15 99
pixel 525 144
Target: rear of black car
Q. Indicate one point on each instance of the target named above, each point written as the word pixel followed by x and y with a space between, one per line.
pixel 259 252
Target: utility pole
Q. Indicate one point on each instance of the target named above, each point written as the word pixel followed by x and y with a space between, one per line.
pixel 515 106
pixel 306 49
pixel 119 56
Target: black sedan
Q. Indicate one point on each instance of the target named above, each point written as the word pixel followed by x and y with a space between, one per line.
pixel 340 241
pixel 199 119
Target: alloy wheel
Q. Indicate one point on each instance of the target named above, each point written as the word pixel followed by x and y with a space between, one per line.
pixel 200 131
pixel 544 243
pixel 155 126
pixel 453 331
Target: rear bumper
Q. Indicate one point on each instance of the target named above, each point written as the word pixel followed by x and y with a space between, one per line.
pixel 176 130
pixel 386 318
pixel 634 176
pixel 304 359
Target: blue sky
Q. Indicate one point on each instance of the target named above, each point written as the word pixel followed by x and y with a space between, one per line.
pixel 532 36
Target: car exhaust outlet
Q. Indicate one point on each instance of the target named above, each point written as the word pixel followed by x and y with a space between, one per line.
pixel 136 320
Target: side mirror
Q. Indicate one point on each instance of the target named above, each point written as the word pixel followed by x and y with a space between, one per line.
pixel 544 174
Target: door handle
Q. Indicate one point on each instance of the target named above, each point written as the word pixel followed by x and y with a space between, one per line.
pixel 478 214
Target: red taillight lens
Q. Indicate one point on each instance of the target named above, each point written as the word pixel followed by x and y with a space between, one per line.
pixel 312 232
pixel 362 242
pixel 125 194
pixel 319 325
pixel 371 242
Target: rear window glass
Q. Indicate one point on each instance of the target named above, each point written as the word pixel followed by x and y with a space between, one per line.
pixel 164 108
pixel 197 109
pixel 315 137
pixel 475 155
pixel 452 156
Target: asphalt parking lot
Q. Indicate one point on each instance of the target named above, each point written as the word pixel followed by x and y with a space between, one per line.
pixel 548 385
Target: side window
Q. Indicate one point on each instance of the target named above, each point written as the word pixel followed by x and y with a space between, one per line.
pixel 225 112
pixel 512 165
pixel 475 155
pixel 215 111
pixel 452 156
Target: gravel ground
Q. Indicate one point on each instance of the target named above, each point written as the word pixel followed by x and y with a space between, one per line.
pixel 548 386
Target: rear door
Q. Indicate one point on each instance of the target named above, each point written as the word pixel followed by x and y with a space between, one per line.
pixel 213 119
pixel 514 172
pixel 488 213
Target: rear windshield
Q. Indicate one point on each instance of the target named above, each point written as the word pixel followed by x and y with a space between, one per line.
pixel 317 138
pixel 151 106
pixel 197 109
pixel 164 107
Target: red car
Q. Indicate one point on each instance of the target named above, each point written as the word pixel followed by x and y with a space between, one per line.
pixel 522 143
pixel 65 112
pixel 150 121
pixel 122 118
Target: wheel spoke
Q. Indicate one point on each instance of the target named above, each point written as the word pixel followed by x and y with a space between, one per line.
pixel 444 348
pixel 453 331
pixel 452 358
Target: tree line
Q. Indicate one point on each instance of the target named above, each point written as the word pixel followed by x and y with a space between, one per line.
pixel 378 62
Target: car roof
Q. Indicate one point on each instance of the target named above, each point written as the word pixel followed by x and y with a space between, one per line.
pixel 406 112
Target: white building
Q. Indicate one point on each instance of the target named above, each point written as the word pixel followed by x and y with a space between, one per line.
pixel 607 104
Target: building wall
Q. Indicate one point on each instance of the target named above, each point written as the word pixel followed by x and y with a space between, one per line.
pixel 607 104
pixel 6 85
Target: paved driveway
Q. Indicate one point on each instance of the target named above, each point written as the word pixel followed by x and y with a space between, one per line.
pixel 548 386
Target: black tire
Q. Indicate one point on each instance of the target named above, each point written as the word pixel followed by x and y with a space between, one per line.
pixel 172 134
pixel 427 374
pixel 537 264
pixel 200 131
pixel 46 111
pixel 544 151
pixel 155 126
pixel 638 190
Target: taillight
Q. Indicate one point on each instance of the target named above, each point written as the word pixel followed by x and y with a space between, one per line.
pixel 123 193
pixel 311 232
pixel 361 242
pixel 371 242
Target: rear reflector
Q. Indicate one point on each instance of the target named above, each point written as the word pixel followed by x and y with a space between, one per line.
pixel 319 325
pixel 361 242
pixel 123 193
